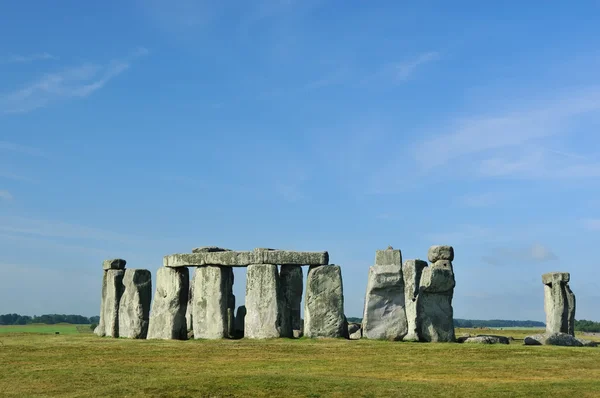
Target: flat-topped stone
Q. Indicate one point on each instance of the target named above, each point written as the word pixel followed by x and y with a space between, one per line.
pixel 115 263
pixel 388 257
pixel 209 249
pixel 554 277
pixel 245 258
pixel 436 253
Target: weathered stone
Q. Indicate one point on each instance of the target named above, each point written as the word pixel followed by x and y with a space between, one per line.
pixel 297 333
pixel 189 312
pixel 436 253
pixel 484 339
pixel 435 313
pixel 324 303
pixel 291 280
pixel 212 297
pixel 388 257
pixel 112 290
pixel 559 303
pixel 240 319
pixel 245 258
pixel 384 315
pixel 116 263
pixel 134 307
pixel 536 339
pixel 354 331
pixel 263 302
pixel 558 339
pixel 209 249
pixel 167 318
pixel 412 270
pixel 587 343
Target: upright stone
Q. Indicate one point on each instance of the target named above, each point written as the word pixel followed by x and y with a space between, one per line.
pixel 213 286
pixel 412 270
pixel 112 264
pixel 263 302
pixel 291 280
pixel 134 307
pixel 167 319
pixel 436 317
pixel 114 290
pixel 384 315
pixel 324 303
pixel 559 303
pixel 189 316
pixel 240 319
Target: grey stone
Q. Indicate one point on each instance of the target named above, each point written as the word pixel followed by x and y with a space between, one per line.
pixel 384 315
pixel 435 313
pixel 324 303
pixel 388 257
pixel 559 303
pixel 209 249
pixel 436 253
pixel 291 280
pixel 245 258
pixel 354 331
pixel 297 333
pixel 537 339
pixel 558 339
pixel 112 290
pixel 116 263
pixel 587 343
pixel 263 302
pixel 213 286
pixel 189 312
pixel 167 317
pixel 240 319
pixel 134 307
pixel 484 339
pixel 412 270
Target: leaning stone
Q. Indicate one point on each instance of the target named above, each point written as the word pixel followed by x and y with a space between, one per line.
pixel 117 263
pixel 213 287
pixel 411 271
pixel 209 249
pixel 436 253
pixel 384 314
pixel 112 290
pixel 167 318
pixel 324 303
pixel 388 257
pixel 134 308
pixel 263 305
pixel 435 313
pixel 240 318
pixel 291 280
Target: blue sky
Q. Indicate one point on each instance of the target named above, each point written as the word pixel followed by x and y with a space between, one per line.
pixel 144 128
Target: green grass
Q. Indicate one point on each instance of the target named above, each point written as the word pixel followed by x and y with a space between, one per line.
pixel 62 328
pixel 82 365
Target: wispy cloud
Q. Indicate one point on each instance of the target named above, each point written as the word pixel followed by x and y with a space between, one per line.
pixel 514 256
pixel 75 82
pixel 5 195
pixel 22 59
pixel 405 69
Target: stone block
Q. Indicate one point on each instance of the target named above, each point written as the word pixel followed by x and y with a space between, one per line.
pixel 116 263
pixel 412 270
pixel 291 280
pixel 167 318
pixel 245 258
pixel 263 302
pixel 388 257
pixel 134 307
pixel 112 290
pixel 213 288
pixel 324 303
pixel 436 253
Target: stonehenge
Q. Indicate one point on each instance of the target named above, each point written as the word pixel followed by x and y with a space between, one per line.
pixel 263 302
pixel 167 317
pixel 211 296
pixel 134 306
pixel 559 303
pixel 324 303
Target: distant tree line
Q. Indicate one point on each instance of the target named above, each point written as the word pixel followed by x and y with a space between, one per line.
pixel 587 326
pixel 49 319
pixel 496 323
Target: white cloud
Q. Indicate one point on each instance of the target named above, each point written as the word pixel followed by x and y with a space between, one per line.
pixel 5 195
pixel 515 256
pixel 75 82
pixel 21 59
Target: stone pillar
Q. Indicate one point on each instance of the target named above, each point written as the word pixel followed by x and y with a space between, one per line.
pixel 384 315
pixel 189 317
pixel 134 306
pixel 411 271
pixel 559 303
pixel 263 302
pixel 291 280
pixel 213 286
pixel 436 317
pixel 324 303
pixel 240 319
pixel 167 318
pixel 112 289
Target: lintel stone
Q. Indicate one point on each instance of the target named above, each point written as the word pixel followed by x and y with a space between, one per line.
pixel 245 258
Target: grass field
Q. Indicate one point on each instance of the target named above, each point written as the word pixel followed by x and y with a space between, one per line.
pixel 83 365
pixel 62 328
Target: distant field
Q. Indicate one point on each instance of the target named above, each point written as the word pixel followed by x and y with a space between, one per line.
pixel 62 328
pixel 84 365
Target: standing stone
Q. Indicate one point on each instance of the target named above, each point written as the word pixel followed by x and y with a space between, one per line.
pixel 240 319
pixel 324 303
pixel 134 308
pixel 384 315
pixel 112 289
pixel 189 317
pixel 559 303
pixel 436 317
pixel 167 318
pixel 263 302
pixel 291 280
pixel 412 270
pixel 213 285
